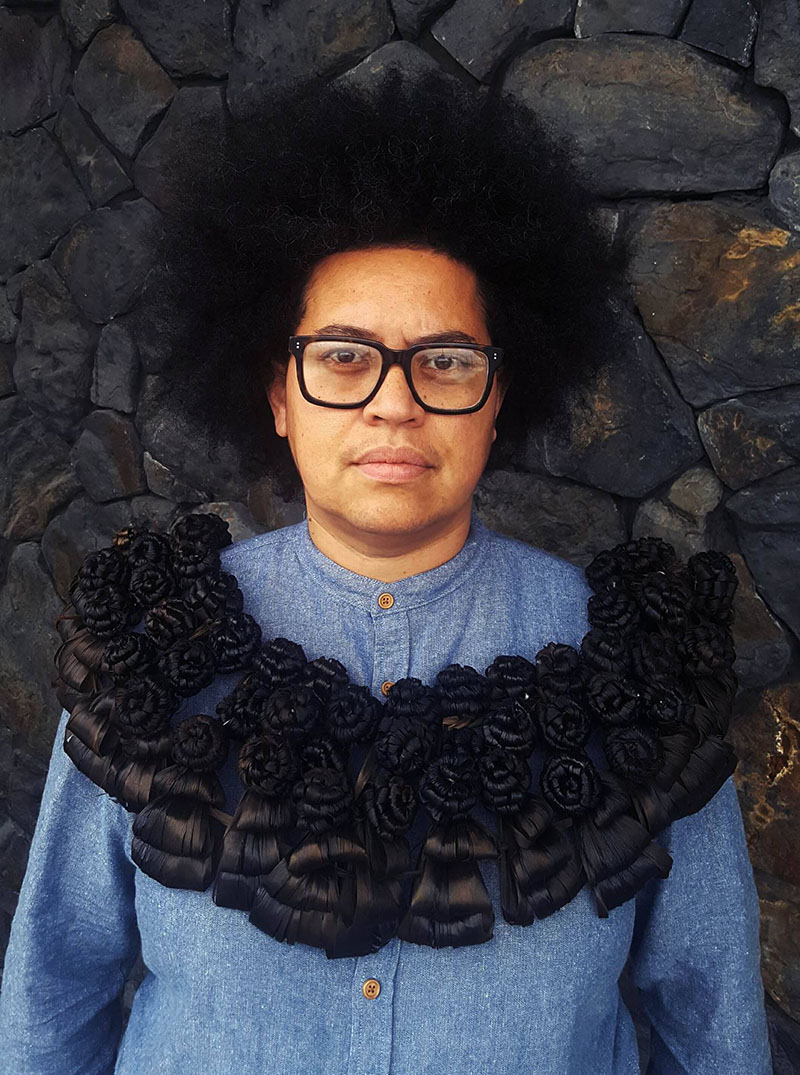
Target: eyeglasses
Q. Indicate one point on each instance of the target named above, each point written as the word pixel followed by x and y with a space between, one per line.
pixel 345 372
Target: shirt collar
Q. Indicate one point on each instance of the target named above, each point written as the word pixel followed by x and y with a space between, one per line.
pixel 406 593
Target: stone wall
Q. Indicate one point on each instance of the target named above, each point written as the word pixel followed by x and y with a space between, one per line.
pixel 686 113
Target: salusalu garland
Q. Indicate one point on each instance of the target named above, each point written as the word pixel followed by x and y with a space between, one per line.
pixel 332 779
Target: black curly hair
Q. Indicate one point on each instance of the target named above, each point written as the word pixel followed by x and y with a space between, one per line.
pixel 334 167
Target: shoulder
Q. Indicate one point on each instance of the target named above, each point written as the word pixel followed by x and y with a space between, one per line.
pixel 248 555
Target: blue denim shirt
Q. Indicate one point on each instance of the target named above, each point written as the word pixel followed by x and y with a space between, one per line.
pixel 222 998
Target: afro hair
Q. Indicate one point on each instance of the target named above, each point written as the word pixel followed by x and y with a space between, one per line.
pixel 333 167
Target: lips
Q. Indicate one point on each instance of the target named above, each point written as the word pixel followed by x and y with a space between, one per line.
pixel 394 455
pixel 394 466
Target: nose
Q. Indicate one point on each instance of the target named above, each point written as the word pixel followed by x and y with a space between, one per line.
pixel 393 401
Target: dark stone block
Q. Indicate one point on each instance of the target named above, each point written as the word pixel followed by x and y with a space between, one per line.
pixel 784 188
pixel 36 479
pixel 402 56
pixel 121 87
pixel 55 345
pixel 279 45
pixel 25 787
pixel 752 436
pixel 28 641
pixel 105 258
pixel 412 15
pixel 98 170
pixel 777 52
pixel 561 517
pixel 716 283
pixel 116 370
pixel 83 18
pixel 9 323
pixel 773 502
pixel 14 292
pixel 40 198
pixel 108 457
pixel 698 131
pixel 14 848
pixel 7 386
pixel 34 70
pixel 481 35
pixel 190 106
pixel 724 27
pixel 163 482
pixel 763 647
pixel 191 38
pixel 680 515
pixel 629 16
pixel 629 431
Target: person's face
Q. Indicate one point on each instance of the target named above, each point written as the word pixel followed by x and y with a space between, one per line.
pixel 398 296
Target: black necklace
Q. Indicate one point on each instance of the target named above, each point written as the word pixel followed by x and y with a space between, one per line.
pixel 333 779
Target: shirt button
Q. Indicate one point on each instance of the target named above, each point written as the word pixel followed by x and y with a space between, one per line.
pixel 386 686
pixel 371 988
pixel 386 600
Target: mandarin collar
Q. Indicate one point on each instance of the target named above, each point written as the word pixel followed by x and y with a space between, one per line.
pixel 363 592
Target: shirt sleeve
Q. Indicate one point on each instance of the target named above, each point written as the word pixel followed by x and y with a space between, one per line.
pixel 695 955
pixel 74 936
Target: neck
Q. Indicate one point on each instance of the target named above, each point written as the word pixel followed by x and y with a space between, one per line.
pixel 384 556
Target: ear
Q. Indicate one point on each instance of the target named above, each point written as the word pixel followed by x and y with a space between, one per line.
pixel 502 387
pixel 275 384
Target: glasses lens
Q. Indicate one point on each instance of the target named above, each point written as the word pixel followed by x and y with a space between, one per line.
pixel 340 372
pixel 453 378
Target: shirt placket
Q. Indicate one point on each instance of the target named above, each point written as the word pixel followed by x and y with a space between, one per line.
pixel 372 985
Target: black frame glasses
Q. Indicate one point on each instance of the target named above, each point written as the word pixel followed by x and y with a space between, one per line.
pixel 391 358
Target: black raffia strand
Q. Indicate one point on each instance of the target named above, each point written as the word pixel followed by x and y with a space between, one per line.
pixel 332 780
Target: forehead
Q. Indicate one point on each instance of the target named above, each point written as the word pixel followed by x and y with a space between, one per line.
pixel 394 289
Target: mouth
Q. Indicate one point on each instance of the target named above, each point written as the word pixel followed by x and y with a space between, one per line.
pixel 394 466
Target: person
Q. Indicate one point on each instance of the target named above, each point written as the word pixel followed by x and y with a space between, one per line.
pixel 411 235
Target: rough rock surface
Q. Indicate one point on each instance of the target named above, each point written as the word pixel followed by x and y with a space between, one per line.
pixel 645 132
pixel 725 27
pixel 98 170
pixel 752 436
pixel 763 646
pixel 194 40
pixel 34 70
pixel 784 189
pixel 681 514
pixel 116 370
pixel 629 16
pixel 777 54
pixel 83 18
pixel 412 15
pixel 108 457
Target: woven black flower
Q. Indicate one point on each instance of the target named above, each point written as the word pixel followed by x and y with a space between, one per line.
pixel 463 691
pixel 707 649
pixel 512 676
pixel 654 656
pixel 151 583
pixel 468 739
pixel 323 674
pixel 147 549
pixel 323 799
pixel 199 743
pixel 606 650
pixel 295 711
pixel 613 608
pixel 106 610
pixel 410 697
pixel 143 708
pixel 322 752
pixel 664 600
pixel 243 711
pixel 201 529
pixel 509 726
pixel 214 597
pixel 129 653
pixel 124 536
pixel 664 703
pixel 390 805
pixel 634 752
pixel 612 699
pixel 234 640
pixel 353 714
pixel 280 662
pixel 559 669
pixel 268 765
pixel 647 554
pixel 570 783
pixel 405 743
pixel 607 569
pixel 505 779
pixel 563 723
pixel 187 666
pixel 450 786
pixel 168 622
pixel 714 582
pixel 102 567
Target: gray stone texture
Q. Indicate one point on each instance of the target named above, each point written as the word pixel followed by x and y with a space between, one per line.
pixel 162 482
pixel 754 435
pixel 55 347
pixel 629 430
pixel 562 517
pixel 121 87
pixel 280 45
pixel 784 188
pixel 116 370
pixel 763 646
pixel 99 172
pixel 410 60
pixel 194 40
pixel 481 35
pixel 412 15
pixel 696 130
pixel 9 322
pixel 34 70
pixel 7 356
pixel 628 16
pixel 725 27
pixel 108 457
pixel 777 52
pixel 105 258
pixel 40 198
pixel 83 18
pixel 716 283
pixel 680 515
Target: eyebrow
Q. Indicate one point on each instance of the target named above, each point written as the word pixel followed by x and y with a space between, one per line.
pixel 449 336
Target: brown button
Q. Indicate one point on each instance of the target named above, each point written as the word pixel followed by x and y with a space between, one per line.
pixel 371 988
pixel 386 686
pixel 386 600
